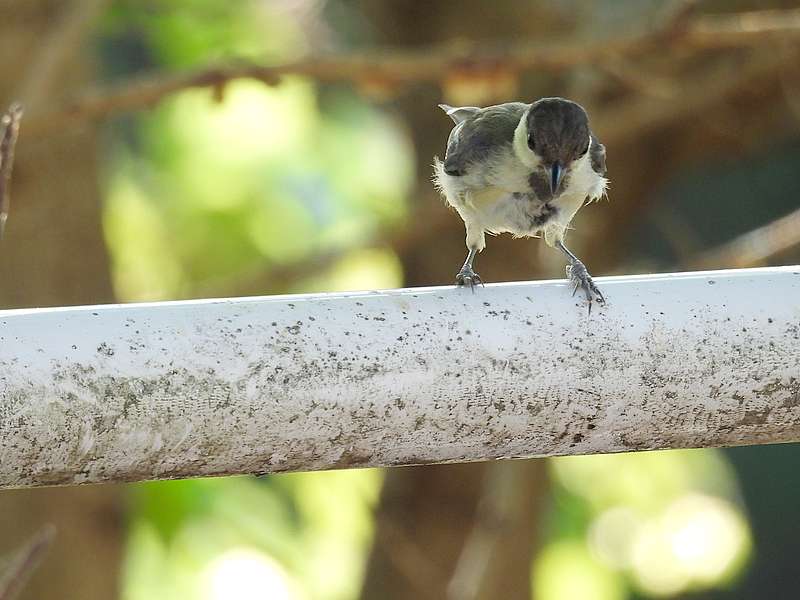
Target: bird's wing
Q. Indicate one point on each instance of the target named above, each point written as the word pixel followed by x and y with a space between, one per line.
pixel 597 154
pixel 481 133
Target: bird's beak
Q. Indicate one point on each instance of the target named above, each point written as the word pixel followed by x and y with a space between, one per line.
pixel 556 175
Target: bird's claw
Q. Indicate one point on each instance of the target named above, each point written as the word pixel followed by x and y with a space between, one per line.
pixel 579 278
pixel 468 277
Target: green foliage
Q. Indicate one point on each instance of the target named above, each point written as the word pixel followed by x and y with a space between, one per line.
pixel 316 527
pixel 658 523
pixel 260 180
pixel 205 196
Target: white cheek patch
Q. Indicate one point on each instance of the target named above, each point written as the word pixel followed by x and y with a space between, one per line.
pixel 521 149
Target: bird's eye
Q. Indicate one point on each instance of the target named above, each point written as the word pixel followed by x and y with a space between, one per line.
pixel 585 150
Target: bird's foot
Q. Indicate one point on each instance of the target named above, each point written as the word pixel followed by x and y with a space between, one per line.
pixel 467 277
pixel 579 278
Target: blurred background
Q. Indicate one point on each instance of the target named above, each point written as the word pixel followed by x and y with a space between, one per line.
pixel 202 148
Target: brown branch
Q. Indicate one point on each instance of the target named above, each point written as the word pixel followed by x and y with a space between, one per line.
pixel 10 121
pixel 25 561
pixel 393 68
pixel 755 247
pixel 495 515
pixel 407 556
pixel 639 116
pixel 57 49
pixel 746 28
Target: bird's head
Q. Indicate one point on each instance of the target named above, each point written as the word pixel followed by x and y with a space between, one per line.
pixel 554 134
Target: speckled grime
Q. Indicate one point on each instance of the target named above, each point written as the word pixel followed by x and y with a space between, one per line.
pixel 401 377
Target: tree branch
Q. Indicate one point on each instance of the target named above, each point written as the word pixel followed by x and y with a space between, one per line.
pixel 505 519
pixel 755 247
pixel 642 115
pixel 393 68
pixel 10 120
pixel 58 49
pixel 24 562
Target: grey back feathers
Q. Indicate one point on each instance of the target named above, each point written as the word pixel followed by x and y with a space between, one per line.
pixel 479 132
pixel 558 131
pixel 597 154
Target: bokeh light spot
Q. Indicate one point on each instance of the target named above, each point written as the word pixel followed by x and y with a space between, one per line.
pixel 245 574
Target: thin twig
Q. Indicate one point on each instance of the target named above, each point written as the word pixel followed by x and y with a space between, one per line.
pixel 57 49
pixel 393 68
pixel 632 119
pixel 25 561
pixel 494 516
pixel 747 28
pixel 755 247
pixel 10 122
pixel 408 557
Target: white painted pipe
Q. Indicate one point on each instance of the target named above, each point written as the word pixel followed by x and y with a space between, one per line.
pixel 294 383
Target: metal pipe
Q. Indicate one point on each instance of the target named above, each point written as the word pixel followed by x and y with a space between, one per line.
pixel 397 377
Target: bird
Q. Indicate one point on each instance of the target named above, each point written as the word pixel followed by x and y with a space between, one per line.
pixel 525 169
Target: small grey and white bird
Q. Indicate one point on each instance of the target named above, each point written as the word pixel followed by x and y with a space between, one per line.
pixel 524 169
